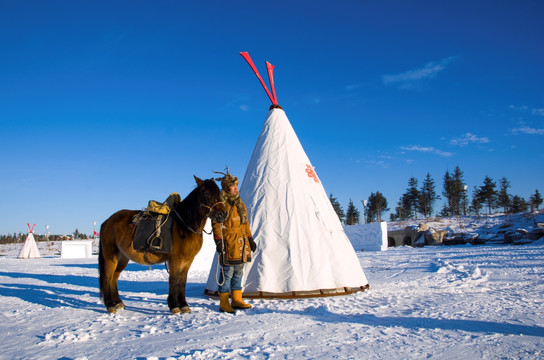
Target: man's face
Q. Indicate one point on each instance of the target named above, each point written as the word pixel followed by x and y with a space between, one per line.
pixel 233 189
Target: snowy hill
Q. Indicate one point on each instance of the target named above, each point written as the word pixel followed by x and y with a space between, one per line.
pixel 484 224
pixel 522 228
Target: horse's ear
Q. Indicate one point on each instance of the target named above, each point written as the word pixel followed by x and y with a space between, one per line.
pixel 199 182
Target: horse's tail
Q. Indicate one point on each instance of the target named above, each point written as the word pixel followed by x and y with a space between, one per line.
pixel 101 275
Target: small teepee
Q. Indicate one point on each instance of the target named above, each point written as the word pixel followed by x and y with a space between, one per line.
pixel 302 250
pixel 30 249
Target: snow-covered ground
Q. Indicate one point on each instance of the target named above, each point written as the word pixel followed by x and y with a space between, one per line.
pixel 443 302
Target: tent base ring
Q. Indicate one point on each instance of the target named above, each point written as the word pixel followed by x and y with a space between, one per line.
pixel 297 294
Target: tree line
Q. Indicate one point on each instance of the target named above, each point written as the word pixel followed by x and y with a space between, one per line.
pixel 418 200
pixel 20 237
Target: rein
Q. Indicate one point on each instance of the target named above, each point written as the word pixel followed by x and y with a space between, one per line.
pixel 210 209
pixel 203 220
pixel 188 227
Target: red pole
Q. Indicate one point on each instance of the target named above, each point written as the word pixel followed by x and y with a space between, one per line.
pixel 270 69
pixel 246 56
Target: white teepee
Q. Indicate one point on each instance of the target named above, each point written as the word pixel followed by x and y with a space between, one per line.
pixel 302 249
pixel 30 249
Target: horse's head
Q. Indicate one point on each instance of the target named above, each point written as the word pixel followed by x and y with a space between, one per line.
pixel 209 198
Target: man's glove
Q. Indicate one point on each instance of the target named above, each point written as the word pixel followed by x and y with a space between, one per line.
pixel 219 245
pixel 252 244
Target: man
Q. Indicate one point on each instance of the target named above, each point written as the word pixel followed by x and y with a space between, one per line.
pixel 234 243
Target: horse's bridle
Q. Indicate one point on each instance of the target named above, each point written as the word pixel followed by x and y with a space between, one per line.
pixel 203 220
pixel 211 207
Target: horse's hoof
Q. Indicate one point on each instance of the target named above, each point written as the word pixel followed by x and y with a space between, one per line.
pixel 112 310
pixel 120 306
pixel 183 310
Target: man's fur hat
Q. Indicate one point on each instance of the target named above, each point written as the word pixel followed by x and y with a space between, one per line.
pixel 227 180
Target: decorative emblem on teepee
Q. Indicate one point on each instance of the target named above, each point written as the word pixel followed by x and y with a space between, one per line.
pixel 311 173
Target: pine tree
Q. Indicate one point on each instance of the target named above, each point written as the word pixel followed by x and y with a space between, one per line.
pixel 404 207
pixel 477 201
pixel 376 205
pixel 536 199
pixel 454 189
pixel 427 196
pixel 503 198
pixel 445 211
pixel 518 204
pixel 459 189
pixel 488 193
pixel 448 189
pixel 410 198
pixel 352 214
pixel 337 208
pixel 395 216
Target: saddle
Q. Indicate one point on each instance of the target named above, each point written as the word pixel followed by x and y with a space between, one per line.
pixel 153 226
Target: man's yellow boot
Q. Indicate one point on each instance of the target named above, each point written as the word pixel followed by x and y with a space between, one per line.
pixel 237 301
pixel 224 303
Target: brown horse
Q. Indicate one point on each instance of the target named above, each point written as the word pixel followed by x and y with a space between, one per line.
pixel 116 247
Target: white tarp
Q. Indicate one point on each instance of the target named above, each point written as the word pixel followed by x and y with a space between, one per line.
pixel 30 249
pixel 75 249
pixel 368 237
pixel 301 245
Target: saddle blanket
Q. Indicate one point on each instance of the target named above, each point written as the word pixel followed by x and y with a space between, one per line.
pixel 153 233
pixel 153 230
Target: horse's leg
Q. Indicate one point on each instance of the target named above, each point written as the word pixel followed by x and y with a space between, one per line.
pixel 173 302
pixel 115 235
pixel 121 265
pixel 109 286
pixel 106 262
pixel 177 282
pixel 111 263
pixel 181 290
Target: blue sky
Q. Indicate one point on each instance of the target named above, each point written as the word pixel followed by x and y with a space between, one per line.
pixel 107 104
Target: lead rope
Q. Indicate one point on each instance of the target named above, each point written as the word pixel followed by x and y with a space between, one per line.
pixel 221 226
pixel 218 261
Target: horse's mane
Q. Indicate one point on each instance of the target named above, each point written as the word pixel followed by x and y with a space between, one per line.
pixel 188 209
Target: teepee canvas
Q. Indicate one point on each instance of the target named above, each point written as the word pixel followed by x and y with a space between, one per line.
pixel 30 249
pixel 302 249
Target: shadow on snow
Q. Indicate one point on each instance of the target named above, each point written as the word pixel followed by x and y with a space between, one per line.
pixel 321 314
pixel 53 296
